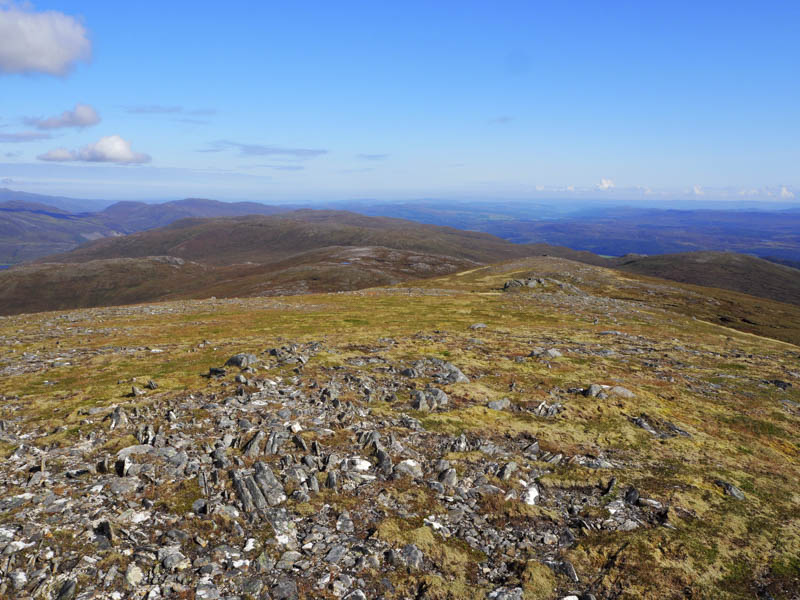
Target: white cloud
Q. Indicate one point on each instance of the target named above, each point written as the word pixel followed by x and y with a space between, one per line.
pixel 111 149
pixel 786 193
pixel 40 42
pixel 59 155
pixel 81 116
pixel 698 191
pixel 605 184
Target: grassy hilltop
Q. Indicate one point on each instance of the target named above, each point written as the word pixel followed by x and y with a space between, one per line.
pixel 703 408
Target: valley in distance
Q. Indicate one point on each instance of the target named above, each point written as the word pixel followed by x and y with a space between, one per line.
pixel 221 400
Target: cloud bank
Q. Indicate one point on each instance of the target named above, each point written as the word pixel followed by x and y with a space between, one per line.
pixel 606 184
pixel 110 149
pixel 48 42
pixel 81 116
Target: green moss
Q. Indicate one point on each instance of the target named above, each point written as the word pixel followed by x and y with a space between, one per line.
pixel 538 581
pixel 177 498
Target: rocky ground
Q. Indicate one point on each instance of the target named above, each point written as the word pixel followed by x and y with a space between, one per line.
pixel 506 433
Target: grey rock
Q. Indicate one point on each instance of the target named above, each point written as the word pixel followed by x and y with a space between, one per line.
pixel 134 450
pixel 501 404
pixel 622 392
pixel 200 506
pixel 207 591
pixel 174 560
pixel 409 467
pixel 336 554
pixel 448 477
pixel 332 481
pixel 632 496
pixel 593 391
pixel 285 589
pixel 507 471
pixel 730 489
pixel 412 556
pixel 241 360
pixel 18 579
pixel 67 590
pixel 253 447
pixel 641 422
pixel 344 523
pixel 506 593
pixel 419 401
pixel 549 353
pixel 288 559
pixel 564 568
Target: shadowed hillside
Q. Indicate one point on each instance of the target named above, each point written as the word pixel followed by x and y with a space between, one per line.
pixel 117 281
pixel 726 270
pixel 29 231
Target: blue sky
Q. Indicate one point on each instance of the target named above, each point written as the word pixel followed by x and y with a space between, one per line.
pixel 339 100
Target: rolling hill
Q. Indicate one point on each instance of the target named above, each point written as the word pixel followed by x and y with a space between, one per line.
pixel 226 241
pixel 302 252
pixel 139 216
pixel 727 270
pixel 31 228
pixel 325 251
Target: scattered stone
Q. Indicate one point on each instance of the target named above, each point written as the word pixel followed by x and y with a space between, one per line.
pixel 133 575
pixel 410 468
pixel 531 495
pixel 730 489
pixel 593 391
pixel 622 392
pixel 242 360
pixel 501 404
pixel 412 556
pixel 67 590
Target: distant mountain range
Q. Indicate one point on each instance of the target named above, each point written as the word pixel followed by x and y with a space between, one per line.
pixel 135 252
pixel 32 226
